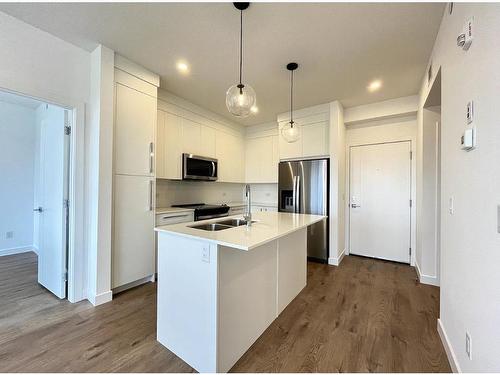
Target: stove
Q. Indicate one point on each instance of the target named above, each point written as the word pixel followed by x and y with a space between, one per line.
pixel 204 211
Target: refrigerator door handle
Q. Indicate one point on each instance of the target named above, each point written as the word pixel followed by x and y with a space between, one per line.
pixel 294 193
pixel 297 194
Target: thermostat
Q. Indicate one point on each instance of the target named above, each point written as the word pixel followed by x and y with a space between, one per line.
pixel 468 140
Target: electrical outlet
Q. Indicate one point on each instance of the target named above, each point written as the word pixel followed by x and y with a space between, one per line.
pixel 9 234
pixel 468 345
pixel 205 254
pixel 470 112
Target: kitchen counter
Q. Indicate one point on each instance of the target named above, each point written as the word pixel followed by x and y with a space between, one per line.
pixel 268 227
pixel 215 297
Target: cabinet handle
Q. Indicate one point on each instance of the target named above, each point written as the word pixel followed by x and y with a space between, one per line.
pixel 151 157
pixel 150 195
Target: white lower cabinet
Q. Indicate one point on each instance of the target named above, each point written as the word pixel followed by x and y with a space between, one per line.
pixel 133 255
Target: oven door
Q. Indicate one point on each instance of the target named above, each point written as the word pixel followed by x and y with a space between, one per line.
pixel 199 168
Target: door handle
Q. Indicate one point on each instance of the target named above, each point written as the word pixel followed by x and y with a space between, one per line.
pixel 354 205
pixel 150 195
pixel 39 209
pixel 151 156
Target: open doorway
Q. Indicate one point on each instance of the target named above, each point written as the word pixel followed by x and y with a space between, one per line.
pixel 34 221
pixel 428 254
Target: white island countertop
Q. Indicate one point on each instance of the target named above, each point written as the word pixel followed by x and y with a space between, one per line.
pixel 268 227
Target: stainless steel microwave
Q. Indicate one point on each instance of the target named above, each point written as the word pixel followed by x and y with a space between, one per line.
pixel 198 168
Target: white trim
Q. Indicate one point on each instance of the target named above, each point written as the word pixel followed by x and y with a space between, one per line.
pixel 16 250
pixel 136 70
pixel 426 279
pixel 452 358
pixel 77 254
pixel 336 261
pixel 133 284
pixel 100 298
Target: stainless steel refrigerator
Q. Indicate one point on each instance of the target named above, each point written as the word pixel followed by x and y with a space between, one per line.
pixel 304 188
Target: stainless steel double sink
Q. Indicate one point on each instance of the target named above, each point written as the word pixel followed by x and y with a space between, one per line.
pixel 221 225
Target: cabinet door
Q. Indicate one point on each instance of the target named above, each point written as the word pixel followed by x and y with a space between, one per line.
pixel 252 160
pixel 314 139
pixel 290 150
pixel 239 157
pixel 160 145
pixel 207 147
pixel 275 160
pixel 173 146
pixel 133 245
pixel 135 122
pixel 191 137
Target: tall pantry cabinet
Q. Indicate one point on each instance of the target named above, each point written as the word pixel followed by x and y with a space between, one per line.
pixel 134 177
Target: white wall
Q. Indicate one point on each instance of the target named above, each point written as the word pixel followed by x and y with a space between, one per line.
pixel 17 160
pixel 470 242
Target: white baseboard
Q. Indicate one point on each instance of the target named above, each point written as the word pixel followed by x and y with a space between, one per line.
pixel 452 358
pixel 426 279
pixel 336 261
pixel 100 298
pixel 17 250
pixel 133 284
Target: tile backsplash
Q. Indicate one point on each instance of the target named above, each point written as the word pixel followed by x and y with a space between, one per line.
pixel 169 192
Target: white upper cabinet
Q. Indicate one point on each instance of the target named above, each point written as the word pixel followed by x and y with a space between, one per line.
pixel 177 135
pixel 172 143
pixel 207 147
pixel 261 159
pixel 135 122
pixel 313 140
pixel 191 137
pixel 230 154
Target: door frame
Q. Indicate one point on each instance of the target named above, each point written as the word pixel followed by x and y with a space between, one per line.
pixel 413 189
pixel 76 255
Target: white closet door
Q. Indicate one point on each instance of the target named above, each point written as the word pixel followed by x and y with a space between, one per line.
pixel 380 192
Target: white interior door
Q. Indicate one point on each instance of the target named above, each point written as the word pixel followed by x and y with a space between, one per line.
pixel 380 193
pixel 54 149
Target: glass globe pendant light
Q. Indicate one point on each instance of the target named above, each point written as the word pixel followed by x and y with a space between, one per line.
pixel 290 131
pixel 240 98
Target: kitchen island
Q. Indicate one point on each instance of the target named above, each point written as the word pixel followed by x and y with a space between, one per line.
pixel 218 290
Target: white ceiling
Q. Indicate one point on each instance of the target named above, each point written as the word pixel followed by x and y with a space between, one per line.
pixel 340 47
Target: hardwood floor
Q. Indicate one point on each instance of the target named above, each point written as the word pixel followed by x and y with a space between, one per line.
pixel 365 315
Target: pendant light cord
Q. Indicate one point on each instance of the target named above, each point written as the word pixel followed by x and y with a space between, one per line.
pixel 291 100
pixel 241 46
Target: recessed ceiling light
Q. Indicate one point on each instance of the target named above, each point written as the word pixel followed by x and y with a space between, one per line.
pixel 182 67
pixel 375 85
pixel 254 109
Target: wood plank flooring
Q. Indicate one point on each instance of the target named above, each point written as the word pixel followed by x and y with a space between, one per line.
pixel 364 316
